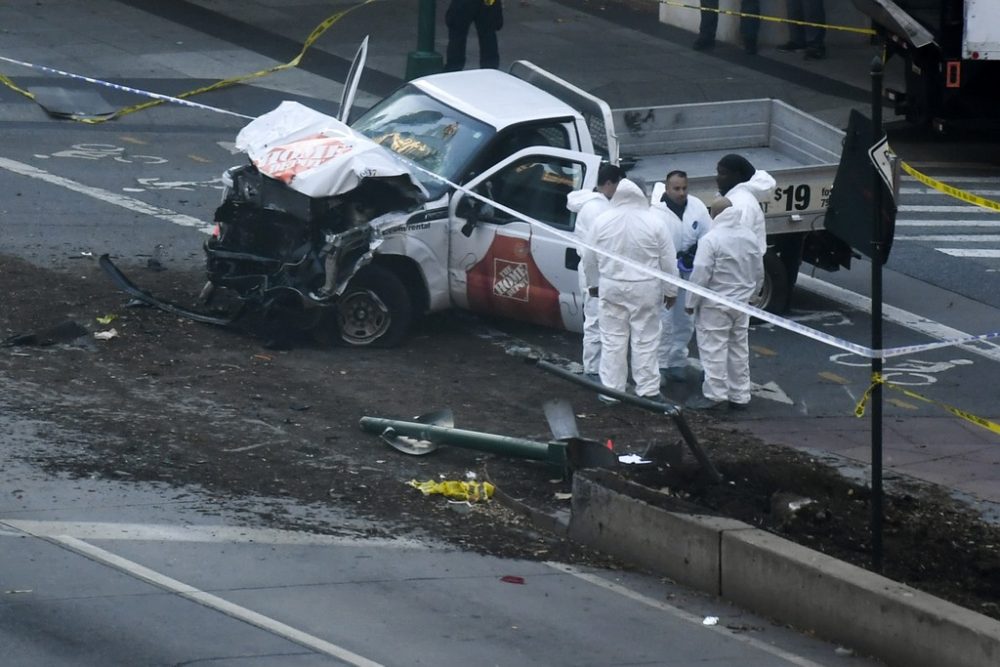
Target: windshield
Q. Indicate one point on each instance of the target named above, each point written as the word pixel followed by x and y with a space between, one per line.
pixel 426 132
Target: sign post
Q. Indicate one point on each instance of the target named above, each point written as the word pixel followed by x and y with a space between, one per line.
pixel 878 138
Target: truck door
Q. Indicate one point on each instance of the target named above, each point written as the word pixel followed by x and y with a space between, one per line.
pixel 351 83
pixel 502 263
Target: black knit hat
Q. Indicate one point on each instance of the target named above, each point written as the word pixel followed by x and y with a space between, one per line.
pixel 738 165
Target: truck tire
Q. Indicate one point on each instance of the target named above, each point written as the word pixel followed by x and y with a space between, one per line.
pixel 774 293
pixel 375 310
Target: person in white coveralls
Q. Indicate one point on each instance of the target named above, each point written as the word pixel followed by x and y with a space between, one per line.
pixel 689 220
pixel 588 204
pixel 631 298
pixel 729 261
pixel 746 187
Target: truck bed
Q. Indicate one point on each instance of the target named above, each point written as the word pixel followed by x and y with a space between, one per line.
pixel 799 150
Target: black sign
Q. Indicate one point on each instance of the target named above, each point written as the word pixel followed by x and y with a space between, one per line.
pixel 852 215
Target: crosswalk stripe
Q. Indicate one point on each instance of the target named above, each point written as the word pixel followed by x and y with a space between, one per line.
pixel 980 253
pixel 952 180
pixel 919 208
pixel 929 191
pixel 952 238
pixel 948 223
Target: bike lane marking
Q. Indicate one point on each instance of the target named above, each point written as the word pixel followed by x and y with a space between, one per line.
pixel 106 196
pixel 904 318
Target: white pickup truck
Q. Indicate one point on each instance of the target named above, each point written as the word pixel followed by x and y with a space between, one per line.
pixel 523 140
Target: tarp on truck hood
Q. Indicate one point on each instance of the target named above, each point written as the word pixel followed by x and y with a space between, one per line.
pixel 316 154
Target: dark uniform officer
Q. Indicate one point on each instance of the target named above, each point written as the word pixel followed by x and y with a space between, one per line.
pixel 487 15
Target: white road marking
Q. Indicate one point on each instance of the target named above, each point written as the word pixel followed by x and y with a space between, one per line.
pixel 948 223
pixel 898 316
pixel 982 253
pixel 954 238
pixel 771 391
pixel 92 530
pixel 683 615
pixel 953 179
pixel 938 193
pixel 214 602
pixel 107 196
pixel 968 208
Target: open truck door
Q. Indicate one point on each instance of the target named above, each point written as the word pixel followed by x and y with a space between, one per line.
pixel 351 83
pixel 500 264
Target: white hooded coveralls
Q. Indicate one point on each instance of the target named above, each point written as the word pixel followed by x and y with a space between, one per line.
pixel 747 196
pixel 729 262
pixel 588 204
pixel 677 325
pixel 630 298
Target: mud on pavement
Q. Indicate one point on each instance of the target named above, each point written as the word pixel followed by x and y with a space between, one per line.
pixel 170 400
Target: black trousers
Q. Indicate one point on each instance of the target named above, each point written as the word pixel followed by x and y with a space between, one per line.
pixel 811 11
pixel 462 15
pixel 748 27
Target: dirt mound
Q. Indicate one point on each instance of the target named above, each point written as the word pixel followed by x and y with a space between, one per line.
pixel 174 401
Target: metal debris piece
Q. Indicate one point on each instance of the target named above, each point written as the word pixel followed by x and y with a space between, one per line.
pixel 562 421
pixel 129 288
pixel 74 104
pixel 434 429
pixel 663 407
pixel 64 332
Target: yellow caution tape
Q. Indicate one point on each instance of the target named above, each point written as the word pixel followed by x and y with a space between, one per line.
pixel 471 491
pixel 773 19
pixel 316 33
pixel 951 190
pixel 10 84
pixel 877 379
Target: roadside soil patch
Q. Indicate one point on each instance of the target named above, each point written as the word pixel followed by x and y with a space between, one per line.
pixel 170 400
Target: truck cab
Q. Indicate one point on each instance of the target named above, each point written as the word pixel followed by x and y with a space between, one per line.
pixel 490 149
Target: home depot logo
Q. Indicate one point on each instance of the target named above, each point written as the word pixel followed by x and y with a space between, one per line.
pixel 286 161
pixel 510 279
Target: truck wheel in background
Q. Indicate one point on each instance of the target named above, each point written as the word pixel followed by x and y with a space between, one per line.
pixel 773 295
pixel 375 309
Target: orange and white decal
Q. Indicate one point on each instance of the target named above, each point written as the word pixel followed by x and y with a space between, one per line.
pixel 508 282
pixel 284 162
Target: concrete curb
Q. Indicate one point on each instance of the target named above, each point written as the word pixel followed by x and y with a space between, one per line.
pixel 788 582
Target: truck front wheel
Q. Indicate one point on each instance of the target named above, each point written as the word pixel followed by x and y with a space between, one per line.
pixel 375 309
pixel 774 293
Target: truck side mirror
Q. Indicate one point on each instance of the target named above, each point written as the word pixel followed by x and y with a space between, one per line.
pixel 469 209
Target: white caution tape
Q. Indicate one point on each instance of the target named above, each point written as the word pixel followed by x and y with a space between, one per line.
pixel 127 89
pixel 316 33
pixel 572 239
pixel 753 311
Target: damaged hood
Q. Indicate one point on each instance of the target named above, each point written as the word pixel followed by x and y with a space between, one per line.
pixel 318 155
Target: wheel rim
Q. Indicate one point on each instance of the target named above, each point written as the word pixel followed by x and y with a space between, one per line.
pixel 763 297
pixel 363 317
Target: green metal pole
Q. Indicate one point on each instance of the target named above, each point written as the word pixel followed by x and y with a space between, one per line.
pixel 484 442
pixel 425 60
